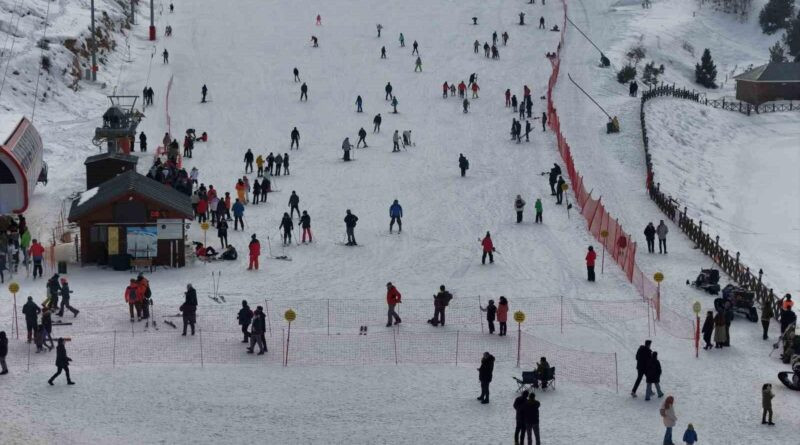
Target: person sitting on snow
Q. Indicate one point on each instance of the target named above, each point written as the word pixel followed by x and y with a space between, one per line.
pixel 229 254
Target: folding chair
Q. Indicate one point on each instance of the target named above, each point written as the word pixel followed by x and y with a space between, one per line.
pixel 527 381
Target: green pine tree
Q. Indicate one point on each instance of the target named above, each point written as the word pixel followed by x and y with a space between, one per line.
pixel 705 72
pixel 792 38
pixel 776 15
pixel 776 53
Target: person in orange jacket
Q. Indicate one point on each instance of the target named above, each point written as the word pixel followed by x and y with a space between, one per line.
pixel 240 190
pixel 37 253
pixel 143 295
pixel 392 299
pixel 591 255
pixel 255 252
pixel 502 315
pixel 131 298
pixel 488 249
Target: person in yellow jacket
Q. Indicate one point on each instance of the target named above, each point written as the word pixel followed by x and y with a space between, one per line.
pixel 260 165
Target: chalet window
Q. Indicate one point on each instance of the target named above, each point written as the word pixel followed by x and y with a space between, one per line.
pixel 130 212
pixel 98 234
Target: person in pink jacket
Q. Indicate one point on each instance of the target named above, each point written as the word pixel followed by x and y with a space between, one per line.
pixel 502 314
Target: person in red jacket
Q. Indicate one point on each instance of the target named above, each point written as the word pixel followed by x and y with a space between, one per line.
pixel 37 253
pixel 255 252
pixel 202 209
pixel 392 299
pixel 590 257
pixel 488 249
pixel 132 298
pixel 445 88
pixel 508 98
pixel 475 89
pixel 462 89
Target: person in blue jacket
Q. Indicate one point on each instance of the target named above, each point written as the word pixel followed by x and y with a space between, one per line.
pixel 238 214
pixel 690 436
pixel 396 213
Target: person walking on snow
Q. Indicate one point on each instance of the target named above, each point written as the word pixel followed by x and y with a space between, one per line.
pixel 667 412
pixel 396 213
pixel 294 204
pixel 544 121
pixel 643 356
pixel 541 23
pixel 488 249
pixel 650 237
pixel 255 251
pixel 189 308
pixel 204 91
pixel 388 90
pixel 376 121
pixel 402 41
pixel 418 65
pixel 502 315
pixel 476 46
pixel 165 55
pixel 394 104
pixel 508 98
pixel 296 74
pixel 445 89
pixel 62 363
pixel 259 166
pixel 278 164
pixel 527 130
pixel 362 137
pixel 222 225
pixel 319 20
pixel 440 302
pixel 65 296
pixel 3 353
pixel 653 377
pixel 708 329
pixel 591 256
pixel 304 92
pixel 392 299
pixel 359 101
pixel 662 231
pixel 519 206
pixel 522 18
pixel 142 142
pixel 491 314
pixel 245 316
pixel 690 436
pixel 766 404
pixel 475 89
pixel 555 172
pixel 238 214
pixel 466 105
pixel 531 412
pixel 350 221
pixel 295 135
pixel 248 161
pixel 379 27
pixel 287 225
pixel 305 224
pixel 560 190
pixel 31 311
pixel 505 38
pixel 767 313
pixel 485 376
pixel 257 332
pixel 463 164
pixel 396 141
pixel 519 430
pixel 538 207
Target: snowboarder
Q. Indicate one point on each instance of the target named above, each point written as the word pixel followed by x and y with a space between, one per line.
pixel 296 74
pixel 287 225
pixel 402 41
pixel 245 316
pixel 541 23
pixel 643 355
pixel 257 333
pixel 165 55
pixel 396 142
pixel 346 147
pixel 485 376
pixel 488 249
pixel 662 231
pixel 766 404
pixel 350 221
pixel 204 91
pixel 362 137
pixel 394 104
pixel 463 164
pixel 142 142
pixel 62 363
pixel 295 135
pixel 255 251
pixel 305 224
pixel 560 190
pixel 538 207
pixel 591 256
pixel 294 202
pixel 65 296
pixel 521 18
pixel 418 65
pixel 466 105
pixel 491 314
pixel 359 101
pixel 189 308
pixel 393 298
pixel 248 160
pixel 238 214
pixel 519 206
pixel 650 236
pixel 388 90
pixel 379 27
pixel 376 121
pixel 652 376
pixel 415 49
pixel 383 52
pixel 304 92
pixel 396 213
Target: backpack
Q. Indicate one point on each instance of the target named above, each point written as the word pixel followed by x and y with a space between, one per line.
pixel 447 297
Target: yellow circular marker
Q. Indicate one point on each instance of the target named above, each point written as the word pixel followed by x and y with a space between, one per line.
pixel 604 233
pixel 658 277
pixel 13 287
pixel 565 186
pixel 204 226
pixel 519 316
pixel 289 315
pixel 696 308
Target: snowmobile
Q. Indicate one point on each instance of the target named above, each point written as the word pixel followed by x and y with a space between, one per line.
pixel 792 379
pixel 708 280
pixel 742 302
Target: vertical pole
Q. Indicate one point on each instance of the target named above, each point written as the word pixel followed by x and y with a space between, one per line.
pixel 480 316
pixel 616 373
pixel 603 258
pixel 269 322
pixel 152 22
pixel 329 316
pixel 16 320
pixel 288 335
pixel 394 338
pixel 200 331
pixel 658 301
pixel 114 351
pixel 283 347
pixel 697 338
pixel 519 341
pixel 29 357
pixel 648 318
pixel 562 314
pixel 457 335
pixel 94 48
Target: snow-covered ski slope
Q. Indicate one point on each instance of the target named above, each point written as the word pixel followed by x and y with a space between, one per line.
pixel 245 54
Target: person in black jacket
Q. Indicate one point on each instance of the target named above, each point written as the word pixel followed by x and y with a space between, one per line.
pixel 62 363
pixel 53 289
pixel 304 92
pixel 555 172
pixel 257 332
pixel 305 224
pixel 643 355
pixel 65 294
pixel 519 407
pixel 653 377
pixel 244 317
pixel 485 376
pixel 650 236
pixel 531 414
pixel 287 225
pixel 294 203
pixel 142 141
pixel 350 221
pixel 376 121
pixel 31 311
pixel 560 190
pixel 362 137
pixel 248 160
pixel 3 353
pixel 708 329
pixel 295 139
pixel 491 312
pixel 463 164
pixel 222 230
pixel 189 308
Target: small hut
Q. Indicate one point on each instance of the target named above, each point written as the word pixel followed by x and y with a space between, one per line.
pixel 100 168
pixel 770 82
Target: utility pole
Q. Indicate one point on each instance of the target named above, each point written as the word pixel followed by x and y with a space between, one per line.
pixel 152 22
pixel 94 49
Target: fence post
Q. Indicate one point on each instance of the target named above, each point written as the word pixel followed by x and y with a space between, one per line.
pixel 269 322
pixel 29 357
pixel 329 316
pixel 114 351
pixel 283 347
pixel 480 315
pixel 616 373
pixel 562 314
pixel 200 332
pixel 394 338
pixel 519 341
pixel 457 335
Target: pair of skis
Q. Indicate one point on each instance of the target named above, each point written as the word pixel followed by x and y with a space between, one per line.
pixel 283 255
pixel 151 317
pixel 216 277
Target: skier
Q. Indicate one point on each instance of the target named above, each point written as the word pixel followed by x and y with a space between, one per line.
pixel 392 299
pixel 287 225
pixel 494 38
pixel 396 142
pixel 132 298
pixel 521 18
pixel 486 49
pixel 259 166
pixel 466 105
pixel 529 107
pixel 376 121
pixel 402 41
pixel 65 295
pixel 643 355
pixel 445 88
pixel 258 331
pixel 396 213
pixel 142 142
pixel 314 42
pixel 248 160
pixel 294 202
pixel 544 121
pixel 346 147
pixel 406 138
pixel 295 135
pixel 350 221
pixel 476 46
pixel 462 89
pixel 383 52
pixel 541 23
pixel 304 92
pixel 359 101
pixel 662 231
pixel 394 104
pixel 485 376
pixel 452 89
pixel 255 251
pixel 245 316
pixel 560 190
pixel 37 253
pixel 415 49
pixel 296 74
pixel 62 363
pixel 278 164
pixel 650 236
pixel 418 65
pixel 519 206
pixel 508 98
pixel 591 256
pixel 362 137
pixel 204 91
pixel 527 131
pixel 555 172
pixel 238 214
pixel 505 38
pixel 488 249
pixel 379 27
pixel 165 55
pixel 388 90
pixel 491 314
pixel 463 164
pixel 31 311
pixel 538 206
pixel 305 224
pixel 475 89
pixel 189 308
pixel 285 166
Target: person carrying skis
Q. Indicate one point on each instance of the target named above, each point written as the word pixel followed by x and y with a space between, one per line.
pixel 350 221
pixel 189 308
pixel 362 137
pixel 591 256
pixel 463 164
pixel 396 213
pixel 359 101
pixel 305 224
pixel 519 206
pixel 418 65
pixel 392 299
pixel 376 121
pixel 255 251
pixel 65 296
pixel 394 104
pixel 475 89
pixel 560 190
pixel 485 376
pixel 248 160
pixel 287 225
pixel 304 92
pixel 488 249
pixel 238 214
pixel 257 334
pixel 295 139
pixel 538 207
pixel 491 314
pixel 245 316
pixel 396 142
pixel 388 90
pixel 402 41
pixel 204 91
pixel 62 363
pixel 650 236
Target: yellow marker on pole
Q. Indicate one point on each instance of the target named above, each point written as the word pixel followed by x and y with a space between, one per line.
pixel 519 317
pixel 289 316
pixel 13 287
pixel 658 277
pixel 204 225
pixel 604 235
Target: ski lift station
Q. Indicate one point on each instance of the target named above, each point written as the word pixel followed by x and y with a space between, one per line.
pixel 21 164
